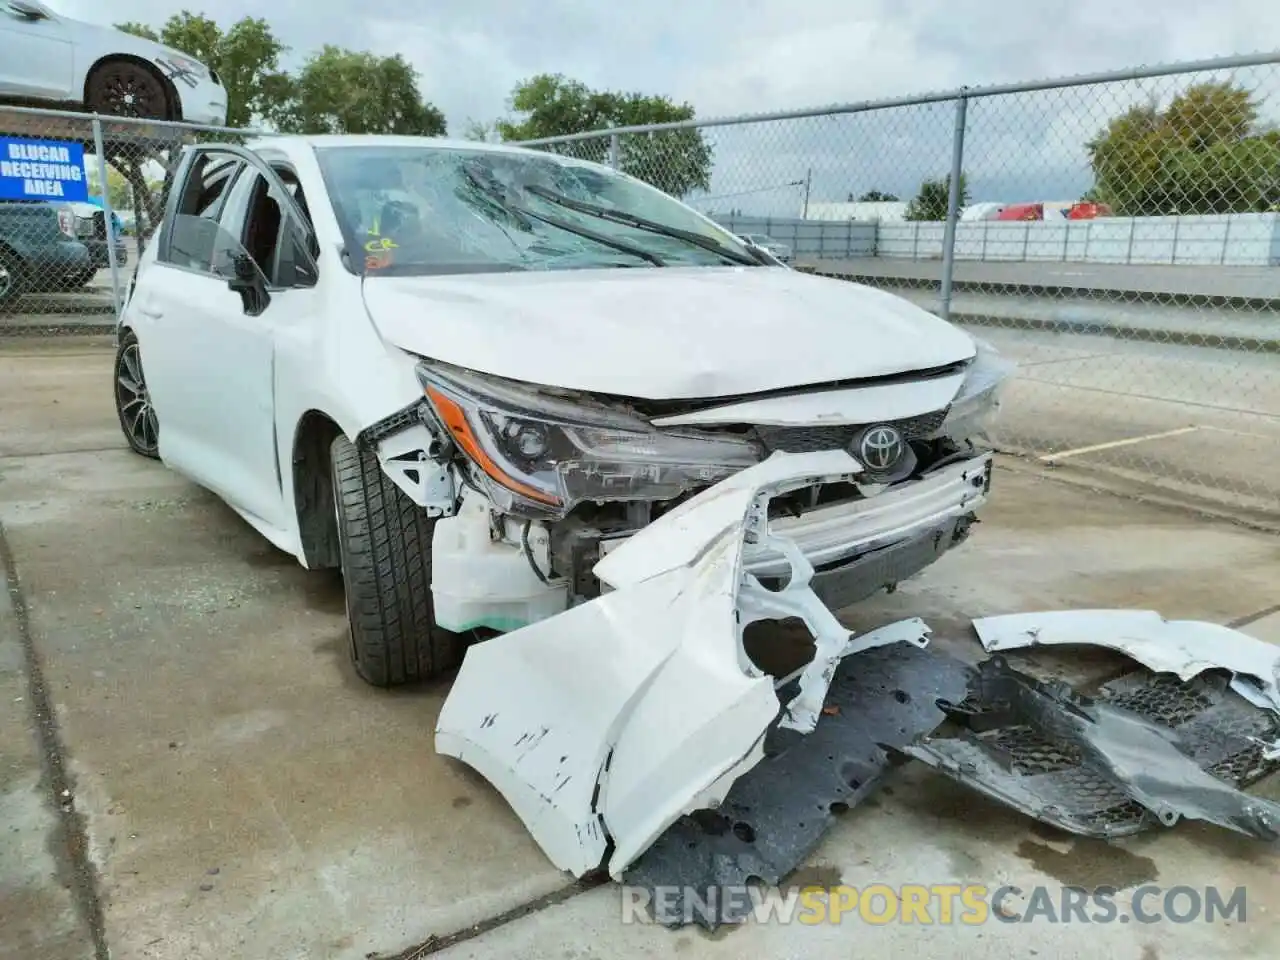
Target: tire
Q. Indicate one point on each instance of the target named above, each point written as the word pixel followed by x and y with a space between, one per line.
pixel 122 88
pixel 133 401
pixel 385 545
pixel 12 277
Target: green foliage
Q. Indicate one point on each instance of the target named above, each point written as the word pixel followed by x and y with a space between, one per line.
pixel 675 161
pixel 876 196
pixel 347 91
pixel 484 132
pixel 931 202
pixel 118 192
pixel 336 91
pixel 246 56
pixel 1201 154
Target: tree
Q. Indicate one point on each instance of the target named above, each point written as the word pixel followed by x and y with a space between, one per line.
pixel 932 200
pixel 876 196
pixel 676 161
pixel 246 56
pixel 345 91
pixel 1203 153
pixel 484 132
pixel 117 188
pixel 336 91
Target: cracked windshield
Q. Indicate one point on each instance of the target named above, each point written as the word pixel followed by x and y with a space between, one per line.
pixel 415 211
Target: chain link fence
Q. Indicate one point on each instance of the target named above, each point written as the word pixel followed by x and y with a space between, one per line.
pixel 79 197
pixel 1118 236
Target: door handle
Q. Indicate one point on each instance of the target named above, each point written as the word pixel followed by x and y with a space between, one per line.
pixel 151 312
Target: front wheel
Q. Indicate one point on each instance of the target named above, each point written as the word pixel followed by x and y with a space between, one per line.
pixel 133 401
pixel 385 543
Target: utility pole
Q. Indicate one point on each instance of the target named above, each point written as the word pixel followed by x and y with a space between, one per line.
pixel 808 182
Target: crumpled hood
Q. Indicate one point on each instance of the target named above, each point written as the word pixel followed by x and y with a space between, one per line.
pixel 669 333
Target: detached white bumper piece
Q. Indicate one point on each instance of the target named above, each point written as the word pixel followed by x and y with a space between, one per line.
pixel 1183 647
pixel 609 721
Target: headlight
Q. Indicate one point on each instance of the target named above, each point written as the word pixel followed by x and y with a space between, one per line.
pixel 978 400
pixel 538 454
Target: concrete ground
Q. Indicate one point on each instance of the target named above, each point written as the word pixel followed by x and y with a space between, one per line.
pixel 232 790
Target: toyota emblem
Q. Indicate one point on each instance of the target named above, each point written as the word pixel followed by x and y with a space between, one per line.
pixel 881 447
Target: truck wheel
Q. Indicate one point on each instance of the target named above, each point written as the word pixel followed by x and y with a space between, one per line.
pixel 385 543
pixel 11 277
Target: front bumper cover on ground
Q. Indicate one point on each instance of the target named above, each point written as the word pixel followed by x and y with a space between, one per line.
pixel 634 731
pixel 603 725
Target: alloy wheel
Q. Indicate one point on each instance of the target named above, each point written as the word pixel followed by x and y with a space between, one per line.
pixel 137 415
pixel 127 92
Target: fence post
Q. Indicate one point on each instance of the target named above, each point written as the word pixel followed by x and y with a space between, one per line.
pixel 953 207
pixel 107 213
pixel 613 150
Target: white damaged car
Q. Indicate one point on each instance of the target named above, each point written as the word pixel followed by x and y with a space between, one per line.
pixel 525 397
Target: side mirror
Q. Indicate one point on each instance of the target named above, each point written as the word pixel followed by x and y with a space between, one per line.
pixel 249 282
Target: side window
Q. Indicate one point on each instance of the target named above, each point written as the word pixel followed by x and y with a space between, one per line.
pixel 255 216
pixel 294 186
pixel 194 242
pixel 228 211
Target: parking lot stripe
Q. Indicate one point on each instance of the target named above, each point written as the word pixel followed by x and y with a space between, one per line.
pixel 1128 441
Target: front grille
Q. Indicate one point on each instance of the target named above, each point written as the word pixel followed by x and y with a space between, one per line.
pixel 813 439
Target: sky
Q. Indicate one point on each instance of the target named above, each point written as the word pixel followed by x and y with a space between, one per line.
pixel 729 57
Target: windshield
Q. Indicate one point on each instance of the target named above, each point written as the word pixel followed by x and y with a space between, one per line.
pixel 416 211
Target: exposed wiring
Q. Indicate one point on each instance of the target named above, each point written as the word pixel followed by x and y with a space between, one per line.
pixel 528 553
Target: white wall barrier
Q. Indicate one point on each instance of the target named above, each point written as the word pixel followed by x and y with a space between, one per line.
pixel 1241 239
pixel 1244 239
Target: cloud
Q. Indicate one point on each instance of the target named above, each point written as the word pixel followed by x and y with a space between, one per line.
pixel 744 56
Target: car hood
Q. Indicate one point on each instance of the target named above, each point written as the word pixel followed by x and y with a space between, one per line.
pixel 670 333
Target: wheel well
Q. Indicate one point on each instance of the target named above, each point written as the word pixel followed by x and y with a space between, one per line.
pixel 313 489
pixel 170 91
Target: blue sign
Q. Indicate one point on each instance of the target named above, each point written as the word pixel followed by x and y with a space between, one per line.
pixel 42 170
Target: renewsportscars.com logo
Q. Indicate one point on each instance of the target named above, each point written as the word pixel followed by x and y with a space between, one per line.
pixel 936 904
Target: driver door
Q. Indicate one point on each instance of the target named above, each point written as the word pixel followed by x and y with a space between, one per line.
pixel 232 267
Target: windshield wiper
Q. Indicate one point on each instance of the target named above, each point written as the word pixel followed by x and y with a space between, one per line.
pixel 643 223
pixel 501 199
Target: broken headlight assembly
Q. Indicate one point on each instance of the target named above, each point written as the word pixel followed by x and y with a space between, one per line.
pixel 537 454
pixel 978 400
